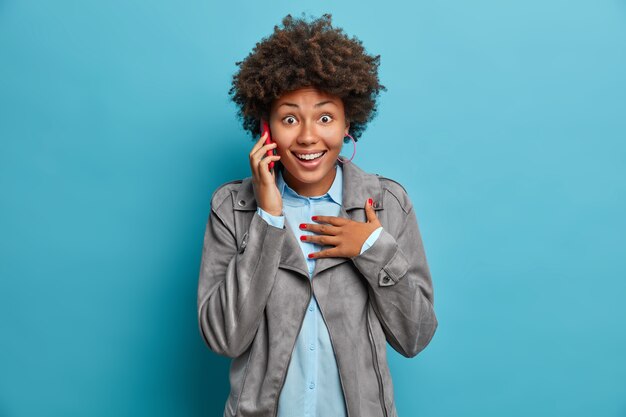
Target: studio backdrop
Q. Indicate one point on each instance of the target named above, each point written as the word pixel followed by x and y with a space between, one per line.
pixel 503 120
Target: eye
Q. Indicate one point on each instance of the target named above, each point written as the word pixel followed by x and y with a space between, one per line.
pixel 328 118
pixel 289 117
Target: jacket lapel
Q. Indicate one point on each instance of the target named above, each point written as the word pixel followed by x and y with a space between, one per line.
pixel 357 187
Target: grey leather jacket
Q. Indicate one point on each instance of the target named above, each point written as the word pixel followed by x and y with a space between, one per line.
pixel 254 288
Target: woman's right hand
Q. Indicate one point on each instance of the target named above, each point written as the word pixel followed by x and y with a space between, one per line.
pixel 264 182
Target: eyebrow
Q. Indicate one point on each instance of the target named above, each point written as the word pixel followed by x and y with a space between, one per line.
pixel 321 103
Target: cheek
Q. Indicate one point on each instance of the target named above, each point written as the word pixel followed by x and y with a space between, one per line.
pixel 335 144
pixel 281 147
pixel 280 138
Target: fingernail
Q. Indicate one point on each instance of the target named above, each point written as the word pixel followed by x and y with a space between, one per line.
pixel 314 218
pixel 310 255
pixel 303 237
pixel 369 201
pixel 302 226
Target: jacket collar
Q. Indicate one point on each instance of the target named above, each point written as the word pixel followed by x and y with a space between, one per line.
pixel 357 187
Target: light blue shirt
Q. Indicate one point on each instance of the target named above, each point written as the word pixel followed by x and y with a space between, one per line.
pixel 312 387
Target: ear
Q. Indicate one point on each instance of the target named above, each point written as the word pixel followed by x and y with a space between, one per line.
pixel 347 128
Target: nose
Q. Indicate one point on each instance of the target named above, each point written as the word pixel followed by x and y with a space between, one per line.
pixel 307 135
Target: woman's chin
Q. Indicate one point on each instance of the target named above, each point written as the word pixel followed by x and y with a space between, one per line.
pixel 308 176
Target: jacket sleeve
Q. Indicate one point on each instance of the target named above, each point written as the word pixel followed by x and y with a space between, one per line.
pixel 234 287
pixel 400 286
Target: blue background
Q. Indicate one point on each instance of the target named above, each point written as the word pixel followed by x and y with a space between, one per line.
pixel 504 121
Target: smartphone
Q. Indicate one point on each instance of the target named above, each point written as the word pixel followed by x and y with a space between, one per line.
pixel 265 127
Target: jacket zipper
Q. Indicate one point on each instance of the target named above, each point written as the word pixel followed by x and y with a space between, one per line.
pixel 282 383
pixel 375 357
pixel 333 346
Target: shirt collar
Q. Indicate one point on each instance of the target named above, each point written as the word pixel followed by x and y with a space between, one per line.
pixel 335 192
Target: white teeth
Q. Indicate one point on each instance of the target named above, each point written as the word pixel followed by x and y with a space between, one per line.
pixel 310 156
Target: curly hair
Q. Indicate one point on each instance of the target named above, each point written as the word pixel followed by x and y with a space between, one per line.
pixel 303 54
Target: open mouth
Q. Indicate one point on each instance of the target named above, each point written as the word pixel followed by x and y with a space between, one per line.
pixel 310 160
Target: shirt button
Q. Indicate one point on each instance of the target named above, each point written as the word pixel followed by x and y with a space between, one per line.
pixel 312 347
pixel 311 385
pixel 311 308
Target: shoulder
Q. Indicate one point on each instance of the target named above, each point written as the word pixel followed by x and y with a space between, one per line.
pixel 396 191
pixel 223 193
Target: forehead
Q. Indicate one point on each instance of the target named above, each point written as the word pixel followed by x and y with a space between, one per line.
pixel 306 97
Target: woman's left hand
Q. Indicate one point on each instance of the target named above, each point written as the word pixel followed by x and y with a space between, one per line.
pixel 347 236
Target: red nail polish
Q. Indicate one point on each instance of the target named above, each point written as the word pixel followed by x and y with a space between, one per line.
pixel 302 226
pixel 310 255
pixel 314 218
pixel 369 201
pixel 302 237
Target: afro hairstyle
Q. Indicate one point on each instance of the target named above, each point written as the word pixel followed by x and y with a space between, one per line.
pixel 307 54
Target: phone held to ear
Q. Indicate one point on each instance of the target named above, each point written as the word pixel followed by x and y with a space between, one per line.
pixel 266 128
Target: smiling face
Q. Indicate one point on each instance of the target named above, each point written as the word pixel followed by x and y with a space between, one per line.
pixel 308 121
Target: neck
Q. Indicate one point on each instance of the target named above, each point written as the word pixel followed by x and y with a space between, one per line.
pixel 310 190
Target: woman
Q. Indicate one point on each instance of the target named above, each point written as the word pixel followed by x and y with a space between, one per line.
pixel 309 268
